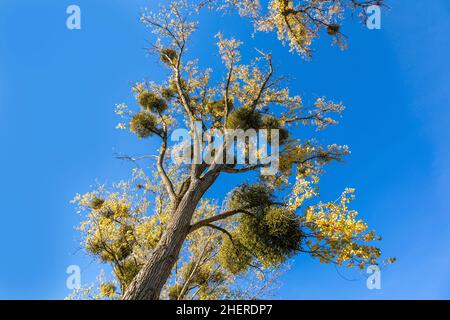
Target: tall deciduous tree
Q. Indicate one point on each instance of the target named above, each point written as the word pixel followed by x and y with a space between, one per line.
pixel 152 230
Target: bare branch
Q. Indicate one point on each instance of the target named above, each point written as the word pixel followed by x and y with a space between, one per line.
pixel 244 169
pixel 165 178
pixel 221 230
pixel 221 216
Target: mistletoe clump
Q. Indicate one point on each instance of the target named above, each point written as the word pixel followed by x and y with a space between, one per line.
pixel 274 237
pixel 168 93
pixel 150 101
pixel 268 238
pixel 97 203
pixel 169 56
pixel 234 256
pixel 266 232
pixel 270 122
pixel 333 29
pixel 251 197
pixel 143 124
pixel 244 118
pixel 216 108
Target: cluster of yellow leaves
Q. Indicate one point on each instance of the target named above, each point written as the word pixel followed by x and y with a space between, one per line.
pixel 307 159
pixel 333 232
pixel 297 23
pixel 118 229
pixel 290 27
pixel 172 17
pixel 338 236
pixel 228 50
pixel 108 290
pixel 302 190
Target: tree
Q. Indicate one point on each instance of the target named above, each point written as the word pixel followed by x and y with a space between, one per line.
pixel 263 222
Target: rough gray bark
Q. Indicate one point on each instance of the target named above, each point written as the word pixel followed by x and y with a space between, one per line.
pixel 147 285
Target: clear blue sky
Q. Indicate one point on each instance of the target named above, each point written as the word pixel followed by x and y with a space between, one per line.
pixel 58 89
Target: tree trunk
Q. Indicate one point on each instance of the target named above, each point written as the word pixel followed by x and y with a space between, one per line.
pixel 148 283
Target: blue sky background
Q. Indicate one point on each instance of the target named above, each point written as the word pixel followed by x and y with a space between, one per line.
pixel 57 93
